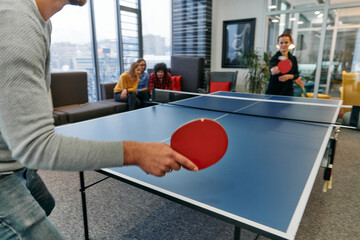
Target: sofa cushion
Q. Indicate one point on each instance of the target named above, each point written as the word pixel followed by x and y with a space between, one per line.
pixel 219 86
pixel 176 83
pixel 69 88
pixel 118 106
pixel 86 111
pixel 107 90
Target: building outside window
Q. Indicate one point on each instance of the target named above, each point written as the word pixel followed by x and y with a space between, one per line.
pixel 71 47
pixel 156 30
pixel 107 40
pixel 118 38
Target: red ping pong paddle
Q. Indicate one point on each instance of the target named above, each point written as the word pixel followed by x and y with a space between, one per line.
pixel 203 141
pixel 284 66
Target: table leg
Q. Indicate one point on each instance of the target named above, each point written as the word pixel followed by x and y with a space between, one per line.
pixel 83 200
pixel 328 170
pixel 237 233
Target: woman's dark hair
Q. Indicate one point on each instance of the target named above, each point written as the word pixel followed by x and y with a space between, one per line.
pixel 159 67
pixel 141 60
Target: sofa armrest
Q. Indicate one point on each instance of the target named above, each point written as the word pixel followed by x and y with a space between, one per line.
pixel 107 90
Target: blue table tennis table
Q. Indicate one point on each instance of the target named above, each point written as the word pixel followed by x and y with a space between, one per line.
pixel 265 178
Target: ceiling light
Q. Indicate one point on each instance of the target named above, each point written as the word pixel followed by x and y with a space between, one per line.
pixel 272 7
pixel 293 19
pixel 317 12
pixel 300 22
pixel 275 20
pixel 320 15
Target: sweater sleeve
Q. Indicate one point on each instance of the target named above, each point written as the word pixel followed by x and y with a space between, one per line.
pixel 132 87
pixel 26 122
pixel 274 61
pixel 119 86
pixel 295 69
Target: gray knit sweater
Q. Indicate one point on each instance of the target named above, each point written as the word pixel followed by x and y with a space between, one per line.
pixel 27 135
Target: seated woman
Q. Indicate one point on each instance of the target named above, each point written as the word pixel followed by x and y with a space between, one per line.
pixel 142 89
pixel 160 78
pixel 282 84
pixel 125 89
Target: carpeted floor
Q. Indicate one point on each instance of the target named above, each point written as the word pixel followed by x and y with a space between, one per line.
pixel 119 211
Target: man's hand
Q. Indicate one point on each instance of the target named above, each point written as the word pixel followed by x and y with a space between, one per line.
pixel 155 158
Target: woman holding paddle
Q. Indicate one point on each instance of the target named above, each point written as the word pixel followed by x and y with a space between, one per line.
pixel 283 68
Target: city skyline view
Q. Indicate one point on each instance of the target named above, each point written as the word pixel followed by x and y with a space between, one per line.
pixel 71 48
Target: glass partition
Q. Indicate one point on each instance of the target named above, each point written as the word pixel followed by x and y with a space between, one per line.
pixel 305 28
pixel 279 5
pixel 342 51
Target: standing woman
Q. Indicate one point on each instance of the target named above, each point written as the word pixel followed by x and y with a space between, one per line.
pixel 125 89
pixel 282 84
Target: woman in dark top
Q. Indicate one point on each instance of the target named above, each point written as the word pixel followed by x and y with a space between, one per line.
pixel 282 84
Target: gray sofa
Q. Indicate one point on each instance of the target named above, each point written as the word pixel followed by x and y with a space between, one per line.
pixel 70 95
pixel 191 69
pixel 107 97
pixel 70 99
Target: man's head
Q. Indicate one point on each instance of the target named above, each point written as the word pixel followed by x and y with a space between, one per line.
pixel 160 70
pixel 48 8
pixel 77 2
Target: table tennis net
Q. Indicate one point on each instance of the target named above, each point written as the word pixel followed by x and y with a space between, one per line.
pixel 295 109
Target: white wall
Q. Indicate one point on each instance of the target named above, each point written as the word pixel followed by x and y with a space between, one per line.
pixel 224 10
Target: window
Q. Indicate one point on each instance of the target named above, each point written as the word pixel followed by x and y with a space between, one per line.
pixel 130 38
pixel 130 32
pixel 71 48
pixel 107 40
pixel 156 27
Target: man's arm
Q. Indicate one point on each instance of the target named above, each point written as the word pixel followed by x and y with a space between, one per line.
pixel 26 121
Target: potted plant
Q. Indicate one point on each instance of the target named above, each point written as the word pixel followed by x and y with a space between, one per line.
pixel 258 74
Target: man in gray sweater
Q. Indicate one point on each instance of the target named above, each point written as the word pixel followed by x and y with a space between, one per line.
pixel 27 138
